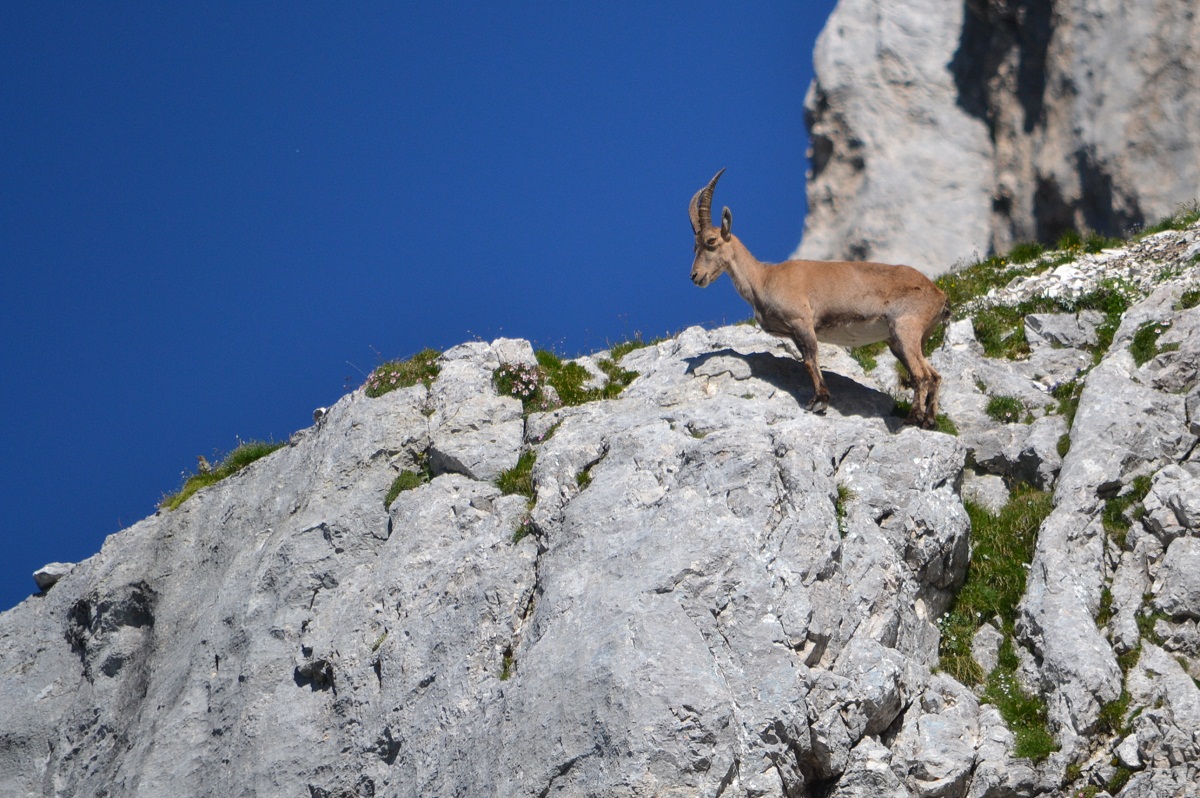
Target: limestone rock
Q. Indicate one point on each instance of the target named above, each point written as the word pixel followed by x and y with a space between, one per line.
pixel 1173 504
pixel 986 490
pixel 716 591
pixel 939 131
pixel 474 431
pixel 1127 753
pixel 935 749
pixel 860 168
pixel 1063 330
pixel 1177 590
pixel 985 647
pixel 48 575
pixel 713 592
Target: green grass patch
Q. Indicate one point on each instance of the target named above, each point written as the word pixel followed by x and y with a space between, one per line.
pixel 1116 513
pixel 844 495
pixel 1146 620
pixel 524 529
pixel 1184 217
pixel 866 355
pixel 1105 613
pixel 422 367
pixel 1002 545
pixel 978 278
pixel 235 461
pixel 1144 346
pixel 409 479
pixel 405 480
pixel 1130 658
pixel 568 378
pixel 904 407
pixel 1005 409
pixel 620 350
pixel 1088 241
pixel 528 383
pixel 1025 251
pixel 1112 298
pixel 1064 444
pixel 1000 330
pixel 1067 394
pixel 519 479
pixel 1025 714
pixel 1119 780
pixel 1189 299
pixel 1112 715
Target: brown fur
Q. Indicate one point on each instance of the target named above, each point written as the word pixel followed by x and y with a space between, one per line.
pixel 842 302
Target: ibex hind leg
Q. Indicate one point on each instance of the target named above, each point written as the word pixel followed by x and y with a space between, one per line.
pixel 931 399
pixel 922 379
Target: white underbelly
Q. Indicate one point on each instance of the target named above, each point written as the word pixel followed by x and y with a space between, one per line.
pixel 855 334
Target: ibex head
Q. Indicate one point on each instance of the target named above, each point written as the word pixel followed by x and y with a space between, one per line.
pixel 710 259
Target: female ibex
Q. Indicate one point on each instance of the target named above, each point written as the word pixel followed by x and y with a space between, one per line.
pixel 837 302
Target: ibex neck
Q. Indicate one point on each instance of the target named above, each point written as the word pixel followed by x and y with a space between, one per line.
pixel 746 271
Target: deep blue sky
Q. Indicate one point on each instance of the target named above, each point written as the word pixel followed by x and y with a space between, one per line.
pixel 214 220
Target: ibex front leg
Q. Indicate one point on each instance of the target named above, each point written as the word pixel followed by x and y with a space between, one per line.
pixel 805 339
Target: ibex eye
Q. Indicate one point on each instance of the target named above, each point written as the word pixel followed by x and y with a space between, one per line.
pixel 712 242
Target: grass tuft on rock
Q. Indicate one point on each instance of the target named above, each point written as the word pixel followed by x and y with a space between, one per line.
pixel 1115 514
pixel 568 378
pixel 1006 409
pixel 1144 346
pixel 529 383
pixel 1002 547
pixel 239 458
pixel 944 423
pixel 866 355
pixel 1025 714
pixel 845 494
pixel 409 479
pixel 422 367
pixel 1184 217
pixel 519 479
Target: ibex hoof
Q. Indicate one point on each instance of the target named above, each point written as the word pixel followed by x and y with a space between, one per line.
pixel 819 405
pixel 924 422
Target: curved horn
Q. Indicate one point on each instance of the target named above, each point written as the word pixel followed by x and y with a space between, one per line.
pixel 701 208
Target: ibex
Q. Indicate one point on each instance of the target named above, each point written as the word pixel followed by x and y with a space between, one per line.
pixel 838 302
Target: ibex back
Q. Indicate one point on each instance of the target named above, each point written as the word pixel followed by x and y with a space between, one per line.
pixel 839 302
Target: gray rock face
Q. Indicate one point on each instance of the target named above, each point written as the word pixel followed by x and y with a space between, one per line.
pixel 48 575
pixel 713 592
pixel 940 130
pixel 1178 592
pixel 705 611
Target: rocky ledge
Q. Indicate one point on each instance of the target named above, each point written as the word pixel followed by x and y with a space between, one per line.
pixel 707 591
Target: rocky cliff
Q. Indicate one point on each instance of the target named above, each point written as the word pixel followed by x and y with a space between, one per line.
pixel 706 590
pixel 942 130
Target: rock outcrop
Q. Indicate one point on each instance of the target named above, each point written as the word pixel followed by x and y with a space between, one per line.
pixel 710 591
pixel 943 130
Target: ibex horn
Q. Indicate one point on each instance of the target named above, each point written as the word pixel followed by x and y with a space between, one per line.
pixel 701 207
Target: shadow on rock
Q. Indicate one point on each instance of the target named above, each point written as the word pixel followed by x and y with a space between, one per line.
pixel 847 397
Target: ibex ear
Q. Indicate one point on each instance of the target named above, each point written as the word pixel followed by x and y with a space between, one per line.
pixel 726 223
